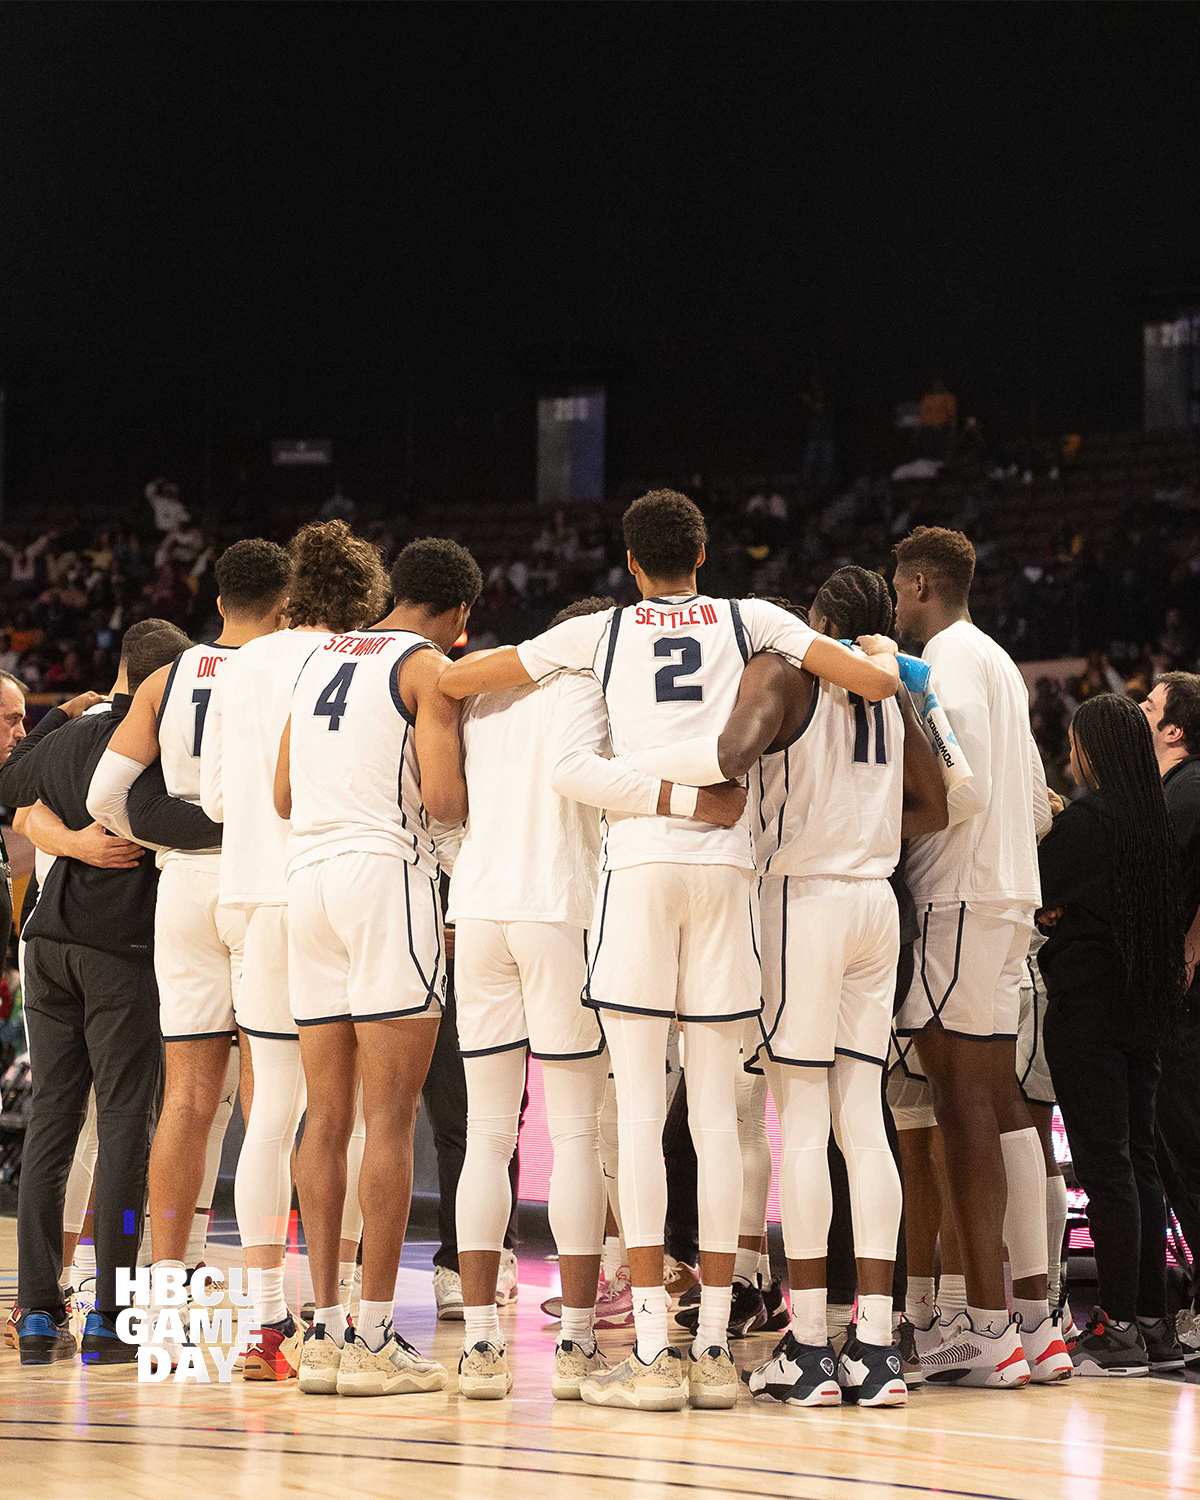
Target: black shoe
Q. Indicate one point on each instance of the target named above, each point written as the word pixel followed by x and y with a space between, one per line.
pixel 691 1298
pixel 798 1375
pixel 910 1359
pixel 747 1313
pixel 775 1307
pixel 41 1339
pixel 1162 1344
pixel 101 1344
pixel 1102 1349
pixel 871 1374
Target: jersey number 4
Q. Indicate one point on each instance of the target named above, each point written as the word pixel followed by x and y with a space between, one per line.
pixel 667 686
pixel 331 704
pixel 862 733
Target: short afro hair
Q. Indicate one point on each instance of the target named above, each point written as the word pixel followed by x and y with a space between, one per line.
pixel 856 601
pixel 337 581
pixel 252 575
pixel 947 557
pixel 591 606
pixel 665 532
pixel 437 575
pixel 154 650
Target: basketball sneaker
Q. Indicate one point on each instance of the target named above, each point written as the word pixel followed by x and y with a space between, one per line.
pixel 276 1353
pixel 101 1344
pixel 1104 1349
pixel 614 1307
pixel 81 1303
pixel 397 1369
pixel 483 1373
pixel 691 1298
pixel 10 1328
pixel 747 1313
pixel 572 1366
pixel 1162 1344
pixel 871 1374
pixel 659 1386
pixel 1046 1351
pixel 968 1357
pixel 910 1360
pixel 776 1308
pixel 712 1379
pixel 320 1362
pixel 40 1340
pixel 1187 1331
pixel 506 1282
pixel 798 1374
pixel 926 1340
pixel 678 1277
pixel 448 1294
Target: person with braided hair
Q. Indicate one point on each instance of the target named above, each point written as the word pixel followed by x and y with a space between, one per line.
pixel 1114 970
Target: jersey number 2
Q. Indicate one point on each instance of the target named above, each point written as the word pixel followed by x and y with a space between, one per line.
pixel 667 686
pixel 862 733
pixel 332 702
pixel 200 697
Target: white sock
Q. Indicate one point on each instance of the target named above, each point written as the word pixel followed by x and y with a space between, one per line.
pixel 84 1263
pixel 612 1257
pixel 64 1279
pixel 349 1281
pixel 988 1320
pixel 875 1320
pixel 837 1318
pixel 713 1328
pixel 952 1296
pixel 745 1266
pixel 1056 1227
pixel 334 1319
pixel 650 1304
pixel 808 1316
pixel 270 1306
pixel 764 1270
pixel 919 1301
pixel 197 1239
pixel 374 1320
pixel 1033 1313
pixel 578 1325
pixel 481 1325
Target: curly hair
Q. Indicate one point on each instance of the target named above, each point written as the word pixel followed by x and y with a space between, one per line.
pixel 856 602
pixel 941 554
pixel 337 578
pixel 436 574
pixel 153 649
pixel 1113 735
pixel 665 531
pixel 252 575
pixel 591 606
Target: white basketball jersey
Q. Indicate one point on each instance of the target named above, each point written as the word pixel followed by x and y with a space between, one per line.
pixel 246 716
pixel 356 784
pixel 181 719
pixel 670 670
pixel 830 802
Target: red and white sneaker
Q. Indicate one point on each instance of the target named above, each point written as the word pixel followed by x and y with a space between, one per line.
pixel 1046 1351
pixel 968 1357
pixel 275 1354
pixel 614 1306
pixel 926 1340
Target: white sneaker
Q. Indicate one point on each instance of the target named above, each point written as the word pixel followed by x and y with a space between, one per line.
pixel 1046 1351
pixel 968 1357
pixel 397 1369
pixel 447 1293
pixel 82 1302
pixel 483 1373
pixel 506 1282
pixel 572 1366
pixel 931 1338
pixel 320 1361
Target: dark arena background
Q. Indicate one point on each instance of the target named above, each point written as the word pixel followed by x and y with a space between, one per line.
pixel 490 272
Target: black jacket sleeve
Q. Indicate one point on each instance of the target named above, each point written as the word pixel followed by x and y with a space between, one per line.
pixel 1071 854
pixel 159 818
pixel 20 773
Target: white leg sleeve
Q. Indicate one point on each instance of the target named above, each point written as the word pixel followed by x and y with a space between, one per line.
pixel 714 1058
pixel 805 1198
pixel 83 1169
pixel 610 1154
pixel 262 1187
pixel 573 1094
pixel 1025 1208
pixel 352 1209
pixel 216 1135
pixel 495 1086
pixel 638 1048
pixel 876 1197
pixel 756 1150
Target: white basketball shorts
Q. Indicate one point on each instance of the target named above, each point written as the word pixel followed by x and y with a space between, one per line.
pixel 262 1006
pixel 966 974
pixel 518 984
pixel 676 940
pixel 365 941
pixel 197 954
pixel 909 1092
pixel 829 952
pixel 1033 1071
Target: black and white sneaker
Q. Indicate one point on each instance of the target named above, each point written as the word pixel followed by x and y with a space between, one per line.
pixel 1104 1349
pixel 1162 1344
pixel 747 1313
pixel 910 1359
pixel 798 1375
pixel 871 1374
pixel 778 1316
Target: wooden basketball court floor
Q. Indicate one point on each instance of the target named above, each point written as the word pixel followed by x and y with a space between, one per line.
pixel 66 1431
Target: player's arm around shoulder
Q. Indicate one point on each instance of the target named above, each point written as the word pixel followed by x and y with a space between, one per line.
pixel 925 806
pixel 484 672
pixel 439 746
pixel 872 672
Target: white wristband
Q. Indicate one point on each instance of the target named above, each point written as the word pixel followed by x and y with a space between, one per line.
pixel 683 800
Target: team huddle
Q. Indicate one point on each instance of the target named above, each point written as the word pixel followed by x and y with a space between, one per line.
pixel 693 813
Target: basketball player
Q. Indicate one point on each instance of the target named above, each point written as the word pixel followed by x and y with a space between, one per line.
pixel 520 964
pixel 336 583
pixel 365 952
pixel 976 887
pixel 198 944
pixel 674 928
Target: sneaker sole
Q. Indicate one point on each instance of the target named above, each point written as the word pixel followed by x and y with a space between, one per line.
pixel 119 1356
pixel 744 1327
pixel 658 1400
pixel 1167 1364
pixel 254 1367
pixel 1052 1374
pixel 980 1380
pixel 506 1299
pixel 567 1390
pixel 451 1314
pixel 373 1383
pixel 46 1354
pixel 319 1383
pixel 895 1393
pixel 713 1398
pixel 1088 1368
pixel 829 1394
pixel 485 1387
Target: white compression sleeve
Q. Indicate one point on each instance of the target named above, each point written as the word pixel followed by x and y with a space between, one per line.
pixel 352 1221
pixel 216 1134
pixel 712 1056
pixel 573 1092
pixel 83 1169
pixel 610 1154
pixel 756 1151
pixel 875 1194
pixel 638 1048
pixel 495 1086
pixel 1025 1208
pixel 262 1187
pixel 801 1098
pixel 111 781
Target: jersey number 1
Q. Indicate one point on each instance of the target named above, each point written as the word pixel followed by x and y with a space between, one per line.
pixel 667 686
pixel 200 697
pixel 862 733
pixel 332 701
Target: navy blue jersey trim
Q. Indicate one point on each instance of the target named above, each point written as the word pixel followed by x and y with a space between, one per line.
pixel 933 1024
pixel 687 599
pixel 492 1051
pixel 570 1056
pixel 170 683
pixel 269 1036
pixel 430 983
pixel 324 1020
pixel 586 996
pixel 880 1062
pixel 767 1035
pixel 394 679
pixel 396 1015
pixel 631 1010
pixel 201 1036
pixel 794 1062
pixel 739 632
pixel 735 1015
pixel 612 648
